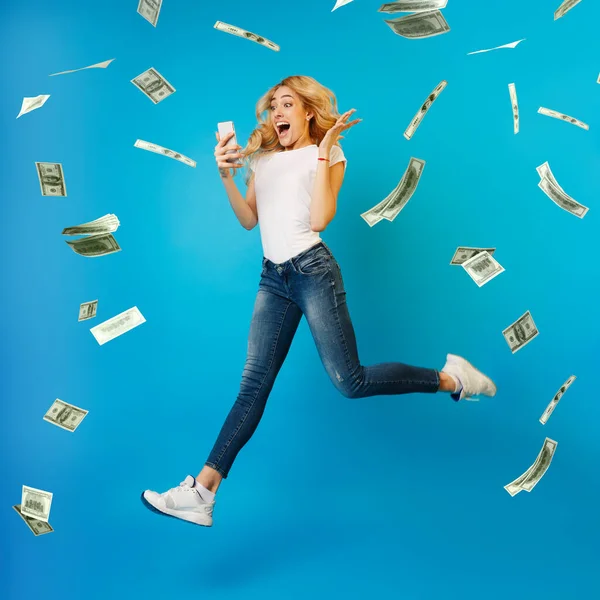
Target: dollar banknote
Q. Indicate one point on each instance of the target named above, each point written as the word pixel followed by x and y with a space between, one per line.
pixel 521 332
pixel 95 245
pixel 464 253
pixel 100 65
pixel 412 6
pixel 482 268
pixel 512 90
pixel 87 310
pixel 65 415
pixel 511 45
pixel 165 152
pixel 106 224
pixel 419 25
pixel 30 104
pixel 531 477
pixel 117 325
pixel 340 3
pixel 51 178
pixel 414 124
pixel 150 9
pixel 564 8
pixel 248 35
pixel 557 115
pixel 396 200
pixel 37 527
pixel 552 405
pixel 550 187
pixel 153 85
pixel 36 503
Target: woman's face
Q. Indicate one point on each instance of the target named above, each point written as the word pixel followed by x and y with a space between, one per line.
pixel 288 116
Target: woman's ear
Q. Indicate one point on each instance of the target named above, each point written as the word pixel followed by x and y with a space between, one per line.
pixel 309 116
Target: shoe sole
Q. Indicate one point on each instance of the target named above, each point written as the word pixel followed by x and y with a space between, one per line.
pixel 164 514
pixel 482 374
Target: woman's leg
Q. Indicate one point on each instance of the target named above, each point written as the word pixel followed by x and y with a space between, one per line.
pixel 274 322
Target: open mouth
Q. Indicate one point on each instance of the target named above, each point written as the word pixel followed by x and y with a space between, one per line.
pixel 282 127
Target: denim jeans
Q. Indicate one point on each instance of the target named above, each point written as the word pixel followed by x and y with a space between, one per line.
pixel 309 284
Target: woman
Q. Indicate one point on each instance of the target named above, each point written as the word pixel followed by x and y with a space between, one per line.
pixel 297 170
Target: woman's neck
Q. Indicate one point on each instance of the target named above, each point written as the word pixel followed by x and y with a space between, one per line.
pixel 301 142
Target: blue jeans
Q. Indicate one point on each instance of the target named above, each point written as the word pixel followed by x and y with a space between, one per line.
pixel 309 284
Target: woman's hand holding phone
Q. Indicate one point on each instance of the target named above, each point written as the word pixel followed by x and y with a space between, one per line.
pixel 223 159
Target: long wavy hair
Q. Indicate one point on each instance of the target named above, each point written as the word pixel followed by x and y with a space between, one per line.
pixel 315 98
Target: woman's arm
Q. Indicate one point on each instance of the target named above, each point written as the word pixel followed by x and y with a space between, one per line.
pixel 328 182
pixel 244 209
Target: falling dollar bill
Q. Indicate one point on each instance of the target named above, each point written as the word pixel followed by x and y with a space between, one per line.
pixel 521 332
pixel 482 267
pixel 464 253
pixel 117 325
pixel 598 80
pixel 564 8
pixel 52 179
pixel 36 503
pixel 165 152
pixel 419 25
pixel 552 405
pixel 36 526
pixel 65 415
pixel 248 35
pixel 552 189
pixel 515 106
pixel 530 478
pixel 150 9
pixel 414 124
pixel 511 45
pixel 340 3
pixel 106 224
pixel 153 85
pixel 557 115
pixel 412 6
pixel 30 104
pixel 100 65
pixel 396 200
pixel 87 310
pixel 95 245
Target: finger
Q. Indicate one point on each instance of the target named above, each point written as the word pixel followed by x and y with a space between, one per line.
pixel 217 135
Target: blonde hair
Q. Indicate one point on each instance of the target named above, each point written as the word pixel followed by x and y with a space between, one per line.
pixel 315 98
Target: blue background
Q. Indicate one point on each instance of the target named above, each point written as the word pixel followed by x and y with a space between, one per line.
pixel 379 497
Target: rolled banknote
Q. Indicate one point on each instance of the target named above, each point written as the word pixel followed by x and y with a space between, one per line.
pixel 106 224
pixel 560 198
pixel 515 106
pixel 87 310
pixel 521 332
pixel 511 45
pixel 117 325
pixel 30 104
pixel 414 124
pixel 545 172
pixel 37 527
pixel 36 503
pixel 95 245
pixel 51 178
pixel 540 466
pixel 564 8
pixel 552 405
pixel 482 268
pixel 153 85
pixel 340 3
pixel 514 487
pixel 248 35
pixel 412 6
pixel 100 65
pixel 64 415
pixel 557 115
pixel 464 253
pixel 150 9
pixel 165 152
pixel 419 25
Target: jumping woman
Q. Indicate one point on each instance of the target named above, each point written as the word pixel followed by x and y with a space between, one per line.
pixel 296 172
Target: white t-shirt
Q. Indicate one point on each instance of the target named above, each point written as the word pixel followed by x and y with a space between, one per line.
pixel 284 183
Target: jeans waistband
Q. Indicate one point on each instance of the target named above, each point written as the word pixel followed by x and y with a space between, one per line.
pixel 293 259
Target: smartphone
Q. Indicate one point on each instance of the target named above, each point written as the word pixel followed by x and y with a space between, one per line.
pixel 225 128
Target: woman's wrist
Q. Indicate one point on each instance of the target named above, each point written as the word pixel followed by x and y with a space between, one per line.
pixel 323 153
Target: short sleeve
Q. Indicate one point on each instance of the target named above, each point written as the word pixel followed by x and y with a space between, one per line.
pixel 336 155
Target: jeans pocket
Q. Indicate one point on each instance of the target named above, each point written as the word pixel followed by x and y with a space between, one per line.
pixel 314 264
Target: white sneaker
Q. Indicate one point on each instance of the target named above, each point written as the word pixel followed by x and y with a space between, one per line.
pixel 473 382
pixel 183 502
